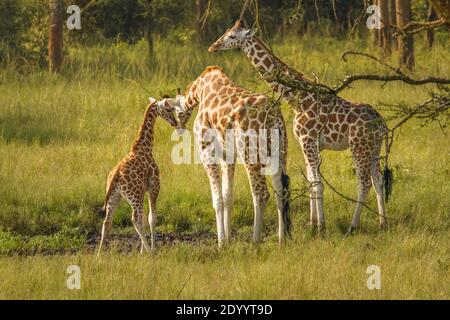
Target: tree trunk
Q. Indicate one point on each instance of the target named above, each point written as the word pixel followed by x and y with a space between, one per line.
pixel 431 16
pixel 405 44
pixel 150 16
pixel 375 32
pixel 200 6
pixel 55 35
pixel 442 8
pixel 392 23
pixel 385 36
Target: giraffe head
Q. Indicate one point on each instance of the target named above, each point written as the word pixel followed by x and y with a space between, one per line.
pixel 163 111
pixel 234 37
pixel 177 104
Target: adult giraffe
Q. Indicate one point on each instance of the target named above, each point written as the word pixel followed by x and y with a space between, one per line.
pixel 232 121
pixel 321 121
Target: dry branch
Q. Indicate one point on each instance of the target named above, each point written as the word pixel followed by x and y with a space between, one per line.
pixel 398 76
pixel 414 27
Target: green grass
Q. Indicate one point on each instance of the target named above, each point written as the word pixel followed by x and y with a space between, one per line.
pixel 412 266
pixel 60 136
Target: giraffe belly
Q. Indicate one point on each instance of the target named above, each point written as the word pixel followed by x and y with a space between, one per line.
pixel 326 142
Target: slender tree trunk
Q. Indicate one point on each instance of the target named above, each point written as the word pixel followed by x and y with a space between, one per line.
pixel 392 23
pixel 385 29
pixel 55 35
pixel 200 6
pixel 405 44
pixel 375 32
pixel 431 16
pixel 150 16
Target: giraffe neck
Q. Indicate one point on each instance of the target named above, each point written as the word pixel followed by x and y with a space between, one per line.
pixel 273 70
pixel 144 141
pixel 191 95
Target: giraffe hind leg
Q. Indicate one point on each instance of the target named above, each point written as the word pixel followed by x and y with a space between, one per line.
pixel 281 202
pixel 317 217
pixel 227 192
pixel 377 183
pixel 137 206
pixel 217 198
pixel 111 206
pixel 152 215
pixel 362 162
pixel 260 195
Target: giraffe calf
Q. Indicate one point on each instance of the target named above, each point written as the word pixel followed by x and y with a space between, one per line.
pixel 135 175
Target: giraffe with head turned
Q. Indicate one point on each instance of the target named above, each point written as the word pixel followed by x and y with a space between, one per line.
pixel 233 121
pixel 135 175
pixel 321 121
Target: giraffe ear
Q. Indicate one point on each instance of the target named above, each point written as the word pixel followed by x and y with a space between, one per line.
pixel 238 24
pixel 251 32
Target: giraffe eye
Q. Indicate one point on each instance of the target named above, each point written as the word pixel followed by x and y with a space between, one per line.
pixel 232 37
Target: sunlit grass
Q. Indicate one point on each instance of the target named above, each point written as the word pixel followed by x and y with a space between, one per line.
pixel 60 136
pixel 412 266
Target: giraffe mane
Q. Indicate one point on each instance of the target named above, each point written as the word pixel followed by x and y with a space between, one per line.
pixel 188 88
pixel 140 134
pixel 278 60
pixel 209 69
pixel 206 71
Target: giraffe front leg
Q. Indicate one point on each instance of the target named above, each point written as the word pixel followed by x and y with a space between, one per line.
pixel 227 191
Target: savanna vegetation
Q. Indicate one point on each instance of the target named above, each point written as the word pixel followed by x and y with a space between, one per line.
pixel 61 133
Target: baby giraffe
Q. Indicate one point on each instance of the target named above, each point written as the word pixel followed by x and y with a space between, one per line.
pixel 136 174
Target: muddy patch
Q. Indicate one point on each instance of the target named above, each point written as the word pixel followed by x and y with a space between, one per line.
pixel 129 242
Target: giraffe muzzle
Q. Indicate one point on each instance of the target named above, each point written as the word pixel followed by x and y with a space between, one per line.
pixel 212 48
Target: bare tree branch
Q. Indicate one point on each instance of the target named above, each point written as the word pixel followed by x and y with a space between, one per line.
pixel 206 14
pixel 398 76
pixel 414 27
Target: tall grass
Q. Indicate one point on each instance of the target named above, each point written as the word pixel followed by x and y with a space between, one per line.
pixel 60 135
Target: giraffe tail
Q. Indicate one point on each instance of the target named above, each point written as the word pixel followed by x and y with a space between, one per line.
pixel 285 182
pixel 110 188
pixel 388 177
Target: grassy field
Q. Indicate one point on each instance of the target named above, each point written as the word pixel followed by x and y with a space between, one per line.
pixel 60 136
